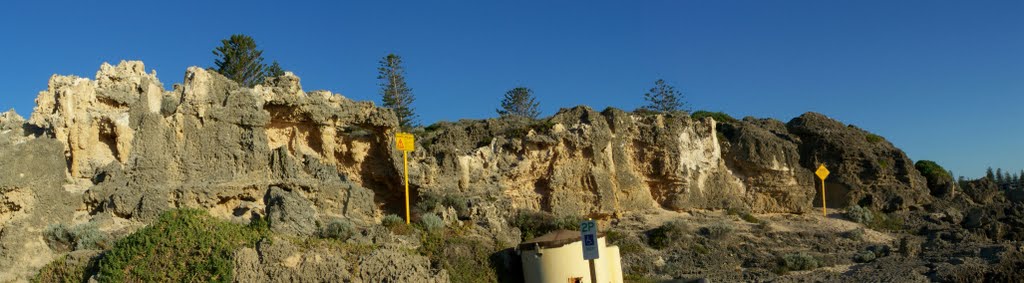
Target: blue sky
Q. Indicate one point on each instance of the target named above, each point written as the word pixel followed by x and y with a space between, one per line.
pixel 943 80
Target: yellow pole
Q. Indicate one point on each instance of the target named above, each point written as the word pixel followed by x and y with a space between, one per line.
pixel 823 213
pixel 405 161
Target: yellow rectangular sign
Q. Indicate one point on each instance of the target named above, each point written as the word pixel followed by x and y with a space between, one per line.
pixel 404 141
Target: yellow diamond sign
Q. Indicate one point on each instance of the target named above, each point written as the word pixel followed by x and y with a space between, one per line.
pixel 404 141
pixel 822 172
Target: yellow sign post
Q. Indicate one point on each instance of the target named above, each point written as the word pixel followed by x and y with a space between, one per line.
pixel 822 173
pixel 405 143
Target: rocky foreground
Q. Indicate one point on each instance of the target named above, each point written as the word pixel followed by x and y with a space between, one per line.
pixel 307 181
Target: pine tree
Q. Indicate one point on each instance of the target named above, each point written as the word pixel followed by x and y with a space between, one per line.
pixel 395 94
pixel 999 176
pixel 239 60
pixel 988 174
pixel 519 102
pixel 275 70
pixel 664 98
pixel 1020 181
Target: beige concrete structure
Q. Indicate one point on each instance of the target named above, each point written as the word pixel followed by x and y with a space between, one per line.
pixel 557 257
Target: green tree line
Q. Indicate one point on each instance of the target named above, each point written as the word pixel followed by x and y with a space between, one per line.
pixel 239 59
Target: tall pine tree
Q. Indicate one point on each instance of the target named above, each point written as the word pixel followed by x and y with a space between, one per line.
pixel 395 94
pixel 1020 181
pixel 239 60
pixel 664 98
pixel 519 102
pixel 988 174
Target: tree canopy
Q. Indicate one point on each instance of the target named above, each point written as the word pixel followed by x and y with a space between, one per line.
pixel 240 60
pixel 395 94
pixel 519 102
pixel 664 98
pixel 274 70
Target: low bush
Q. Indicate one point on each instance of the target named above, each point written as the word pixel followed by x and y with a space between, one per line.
pixel 855 234
pixel 62 238
pixel 858 214
pixel 396 224
pixel 430 200
pixel 873 138
pixel 537 223
pixel 875 220
pixel 337 229
pixel 668 233
pixel 717 231
pixel 718 116
pixel 185 245
pixel 864 256
pixel 431 222
pixel 627 243
pixel 465 259
pixel 66 270
pixel 796 262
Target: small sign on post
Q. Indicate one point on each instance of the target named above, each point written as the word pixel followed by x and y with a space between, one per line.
pixel 822 174
pixel 405 143
pixel 588 235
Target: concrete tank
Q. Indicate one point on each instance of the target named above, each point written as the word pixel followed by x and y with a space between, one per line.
pixel 557 257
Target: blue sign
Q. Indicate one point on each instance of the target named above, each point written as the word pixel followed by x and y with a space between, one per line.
pixel 588 235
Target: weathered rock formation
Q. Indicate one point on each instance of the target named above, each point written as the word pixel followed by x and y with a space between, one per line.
pixel 122 146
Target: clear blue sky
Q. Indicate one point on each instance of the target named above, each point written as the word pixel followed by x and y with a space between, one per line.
pixel 943 80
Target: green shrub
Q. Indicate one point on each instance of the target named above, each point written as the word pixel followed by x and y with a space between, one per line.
pixel 749 218
pixel 59 237
pixel 396 224
pixel 932 170
pixel 859 214
pixel 717 231
pixel 864 256
pixel 873 219
pixel 797 262
pixel 65 270
pixel 431 222
pixel 537 223
pixel 465 259
pixel 628 244
pixel 718 116
pixel 855 234
pixel 663 236
pixel 885 222
pixel 392 220
pixel 429 200
pixel 184 245
pixel 337 229
pixel 62 238
pixel 873 138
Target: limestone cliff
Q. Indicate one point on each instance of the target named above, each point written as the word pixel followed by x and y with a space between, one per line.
pixel 122 147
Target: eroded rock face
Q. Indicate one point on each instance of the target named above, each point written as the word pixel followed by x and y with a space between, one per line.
pixel 582 162
pixel 210 143
pixel 865 169
pixel 122 146
pixel 765 156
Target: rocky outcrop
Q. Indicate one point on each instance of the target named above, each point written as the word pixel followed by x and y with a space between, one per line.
pixel 582 162
pixel 766 157
pixel 121 146
pixel 866 169
pixel 209 143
